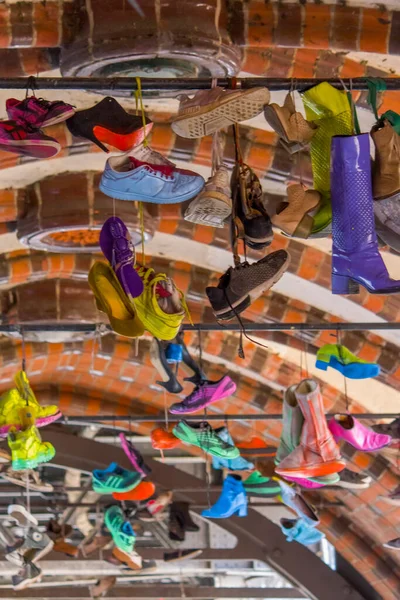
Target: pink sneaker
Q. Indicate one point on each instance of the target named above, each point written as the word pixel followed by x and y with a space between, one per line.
pixel 347 428
pixel 305 483
pixel 203 395
pixel 37 112
pixel 25 141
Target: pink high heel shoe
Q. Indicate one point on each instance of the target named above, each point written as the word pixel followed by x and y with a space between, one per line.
pixel 350 430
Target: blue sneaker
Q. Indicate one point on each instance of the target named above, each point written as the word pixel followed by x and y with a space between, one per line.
pixel 233 464
pixel 300 531
pixel 149 177
pixel 114 479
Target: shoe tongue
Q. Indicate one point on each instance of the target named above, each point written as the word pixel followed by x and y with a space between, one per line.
pixel 127 528
pixel 164 169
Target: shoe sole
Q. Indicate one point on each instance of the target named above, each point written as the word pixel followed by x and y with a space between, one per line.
pixel 59 119
pixel 123 142
pixel 41 422
pixel 43 552
pixel 131 197
pixel 192 555
pixel 351 486
pixel 231 390
pixel 21 515
pixel 27 583
pixel 39 149
pixel 385 546
pixel 390 501
pixel 32 463
pixel 240 305
pixel 208 211
pixel 327 468
pixel 222 114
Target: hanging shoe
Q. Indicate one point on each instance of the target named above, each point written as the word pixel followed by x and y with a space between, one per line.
pixel 181 555
pixel 111 300
pixel 392 544
pixel 292 425
pixel 5 457
pixel 349 429
pixel 26 141
pixel 120 529
pixel 317 455
pixel 203 436
pixel 35 545
pixel 108 123
pixel 340 358
pixel 386 182
pixel 23 517
pixel 37 112
pixel 392 498
pixel 156 510
pixel 355 256
pixel 134 456
pixel 307 483
pixel 293 216
pixel 114 479
pixel 299 530
pixel 261 487
pixel 127 178
pixel 198 374
pixel 132 560
pixel 28 575
pixel 233 500
pixel 392 429
pixel 161 439
pixel 203 395
pixel 256 447
pixel 11 404
pixel 234 464
pixel 64 547
pixel 28 477
pixel 176 529
pixel 143 491
pixel 162 306
pixel 242 285
pixel 298 504
pixel 28 450
pixel 159 360
pixel 250 220
pixel 117 247
pixel 350 480
pixel 209 111
pixel 290 125
pixel 181 509
pixel 213 205
pixel 99 542
pixel 102 586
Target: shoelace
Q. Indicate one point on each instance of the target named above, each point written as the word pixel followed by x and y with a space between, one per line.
pixel 164 170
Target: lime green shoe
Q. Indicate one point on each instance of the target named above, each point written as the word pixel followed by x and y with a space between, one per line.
pixel 322 219
pixel 204 437
pixel 258 485
pixel 340 358
pixel 28 450
pixel 120 529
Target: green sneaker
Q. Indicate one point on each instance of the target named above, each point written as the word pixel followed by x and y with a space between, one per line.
pixel 204 437
pixel 120 529
pixel 114 479
pixel 340 358
pixel 28 450
pixel 258 485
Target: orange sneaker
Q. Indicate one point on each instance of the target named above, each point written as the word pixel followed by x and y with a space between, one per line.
pixel 255 446
pixel 143 491
pixel 162 439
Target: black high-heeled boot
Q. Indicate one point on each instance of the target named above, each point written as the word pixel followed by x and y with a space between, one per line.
pixel 159 361
pixel 199 375
pixel 108 123
pixel 181 509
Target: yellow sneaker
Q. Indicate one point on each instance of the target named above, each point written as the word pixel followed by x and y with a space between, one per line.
pixel 161 307
pixel 15 400
pixel 27 449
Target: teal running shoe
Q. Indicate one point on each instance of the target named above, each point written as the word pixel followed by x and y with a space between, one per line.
pixel 114 479
pixel 203 436
pixel 234 464
pixel 259 486
pixel 121 530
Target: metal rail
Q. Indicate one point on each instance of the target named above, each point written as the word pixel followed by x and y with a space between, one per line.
pixel 129 84
pixel 92 327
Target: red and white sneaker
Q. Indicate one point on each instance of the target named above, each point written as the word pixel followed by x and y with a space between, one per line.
pixel 37 112
pixel 23 140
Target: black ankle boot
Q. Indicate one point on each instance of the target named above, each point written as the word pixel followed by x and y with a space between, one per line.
pixel 182 510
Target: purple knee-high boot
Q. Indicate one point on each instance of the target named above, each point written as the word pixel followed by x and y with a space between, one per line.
pixel 355 256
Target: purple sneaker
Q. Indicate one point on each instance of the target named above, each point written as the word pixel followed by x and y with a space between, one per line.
pixel 37 112
pixel 203 395
pixel 23 140
pixel 116 245
pixel 135 458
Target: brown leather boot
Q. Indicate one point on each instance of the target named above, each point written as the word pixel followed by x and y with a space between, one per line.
pixel 386 171
pixel 60 545
pixel 290 125
pixel 98 543
pixel 292 217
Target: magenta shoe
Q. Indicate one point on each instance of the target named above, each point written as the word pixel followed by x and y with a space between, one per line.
pixel 134 456
pixel 203 395
pixel 116 245
pixel 350 430
pixel 305 483
pixel 23 140
pixel 37 112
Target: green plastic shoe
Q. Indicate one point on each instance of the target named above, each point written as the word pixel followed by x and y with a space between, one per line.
pixel 120 529
pixel 340 358
pixel 322 219
pixel 28 450
pixel 203 436
pixel 258 485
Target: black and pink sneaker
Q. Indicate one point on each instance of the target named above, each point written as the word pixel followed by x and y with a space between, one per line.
pixel 26 141
pixel 38 113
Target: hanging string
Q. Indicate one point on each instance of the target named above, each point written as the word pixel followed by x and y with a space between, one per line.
pixel 114 208
pixel 306 360
pixel 141 225
pixel 139 103
pixel 165 409
pixel 344 377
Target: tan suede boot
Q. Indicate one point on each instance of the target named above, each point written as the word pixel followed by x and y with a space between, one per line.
pixel 386 171
pixel 290 125
pixel 293 218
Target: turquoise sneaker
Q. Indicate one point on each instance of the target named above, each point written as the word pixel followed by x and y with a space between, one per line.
pixel 299 530
pixel 340 358
pixel 203 436
pixel 120 529
pixel 114 479
pixel 234 464
pixel 260 487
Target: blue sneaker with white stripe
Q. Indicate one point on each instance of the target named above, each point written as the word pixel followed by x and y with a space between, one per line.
pixel 114 479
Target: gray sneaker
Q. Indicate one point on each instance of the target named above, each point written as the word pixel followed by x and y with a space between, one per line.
pixel 393 544
pixel 352 480
pixel 393 497
pixel 35 546
pixel 28 575
pixel 241 285
pixel 392 429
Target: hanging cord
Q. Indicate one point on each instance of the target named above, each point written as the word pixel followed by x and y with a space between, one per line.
pixel 338 336
pixel 354 118
pixel 139 103
pixel 375 86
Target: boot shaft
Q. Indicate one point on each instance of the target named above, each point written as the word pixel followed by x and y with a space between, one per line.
pixel 386 171
pixel 293 420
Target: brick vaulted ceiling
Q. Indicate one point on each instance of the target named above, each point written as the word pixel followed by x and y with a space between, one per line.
pixel 276 39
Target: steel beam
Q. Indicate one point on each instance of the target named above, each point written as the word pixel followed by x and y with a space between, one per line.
pixel 129 84
pixel 262 539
